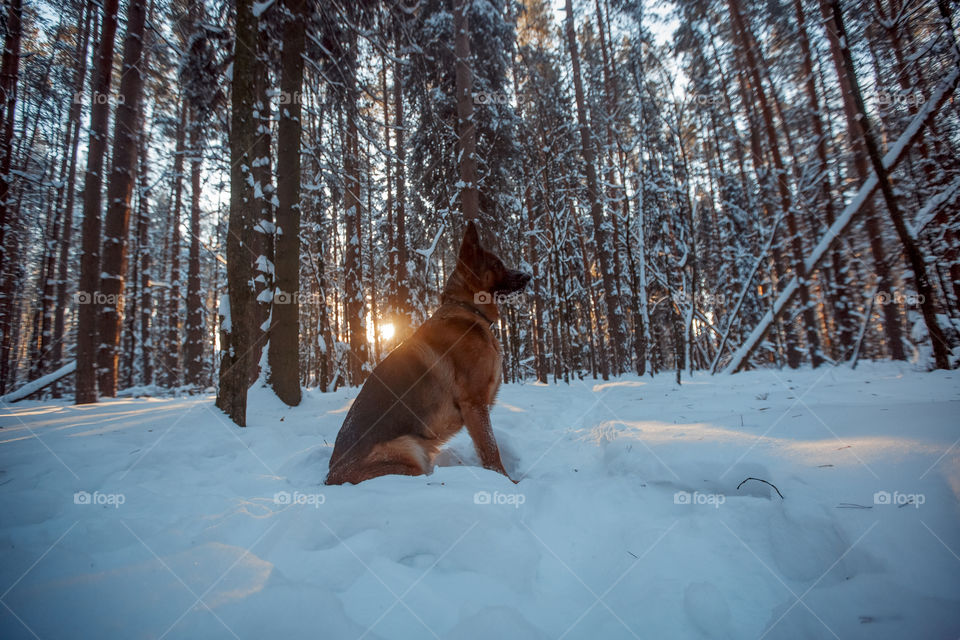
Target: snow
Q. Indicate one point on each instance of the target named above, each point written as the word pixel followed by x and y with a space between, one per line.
pixel 260 7
pixel 224 309
pixel 428 252
pixel 140 517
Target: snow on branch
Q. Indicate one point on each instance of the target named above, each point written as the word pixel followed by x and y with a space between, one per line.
pixel 843 221
pixel 44 381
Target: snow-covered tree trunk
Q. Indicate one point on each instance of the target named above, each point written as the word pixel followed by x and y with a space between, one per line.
pixel 87 289
pixel 885 280
pixel 238 319
pixel 915 257
pixel 284 345
pixel 116 226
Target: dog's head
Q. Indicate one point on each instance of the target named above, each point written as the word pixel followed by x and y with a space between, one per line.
pixel 483 273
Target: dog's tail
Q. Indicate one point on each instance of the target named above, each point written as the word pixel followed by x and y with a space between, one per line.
pixel 407 455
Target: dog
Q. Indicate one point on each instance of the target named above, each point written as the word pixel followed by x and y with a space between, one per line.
pixel 445 376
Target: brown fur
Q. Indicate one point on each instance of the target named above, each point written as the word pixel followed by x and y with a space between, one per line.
pixel 445 376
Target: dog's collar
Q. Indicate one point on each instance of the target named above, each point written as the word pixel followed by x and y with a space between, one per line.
pixel 468 307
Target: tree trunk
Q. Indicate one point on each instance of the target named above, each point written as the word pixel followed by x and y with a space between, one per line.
pixel 66 239
pixel 87 294
pixel 466 129
pixel 263 247
pixel 354 305
pixel 235 366
pixel 284 349
pixel 117 223
pixel 403 314
pixel 171 347
pixel 786 206
pixel 195 336
pixel 9 79
pixel 839 291
pixel 145 256
pixel 885 282
pixel 914 256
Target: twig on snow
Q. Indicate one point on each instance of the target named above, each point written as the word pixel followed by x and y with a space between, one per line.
pixel 764 482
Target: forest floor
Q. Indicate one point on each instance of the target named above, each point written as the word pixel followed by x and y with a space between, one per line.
pixel 156 518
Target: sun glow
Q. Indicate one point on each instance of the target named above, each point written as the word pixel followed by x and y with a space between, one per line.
pixel 387 331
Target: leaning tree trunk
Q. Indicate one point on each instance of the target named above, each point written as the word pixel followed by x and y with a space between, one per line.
pixel 87 295
pixel 839 291
pixel 885 281
pixel 914 255
pixel 796 242
pixel 119 190
pixel 284 348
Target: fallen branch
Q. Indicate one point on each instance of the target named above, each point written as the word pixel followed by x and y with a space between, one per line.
pixel 844 220
pixel 764 482
pixel 45 381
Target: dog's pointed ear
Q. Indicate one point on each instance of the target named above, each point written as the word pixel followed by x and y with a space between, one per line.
pixel 471 241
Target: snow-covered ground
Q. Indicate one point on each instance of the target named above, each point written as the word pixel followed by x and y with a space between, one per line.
pixel 145 518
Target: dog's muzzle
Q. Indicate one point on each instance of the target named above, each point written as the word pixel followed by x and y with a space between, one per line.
pixel 517 280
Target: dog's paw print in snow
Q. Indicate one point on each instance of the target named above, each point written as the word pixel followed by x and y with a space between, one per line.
pixel 707 609
pixel 806 546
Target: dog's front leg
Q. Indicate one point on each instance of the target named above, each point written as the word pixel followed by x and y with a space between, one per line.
pixel 477 419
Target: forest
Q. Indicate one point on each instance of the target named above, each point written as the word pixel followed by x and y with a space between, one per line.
pixel 713 253
pixel 197 194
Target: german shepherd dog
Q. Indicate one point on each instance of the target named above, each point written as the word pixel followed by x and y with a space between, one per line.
pixel 445 376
